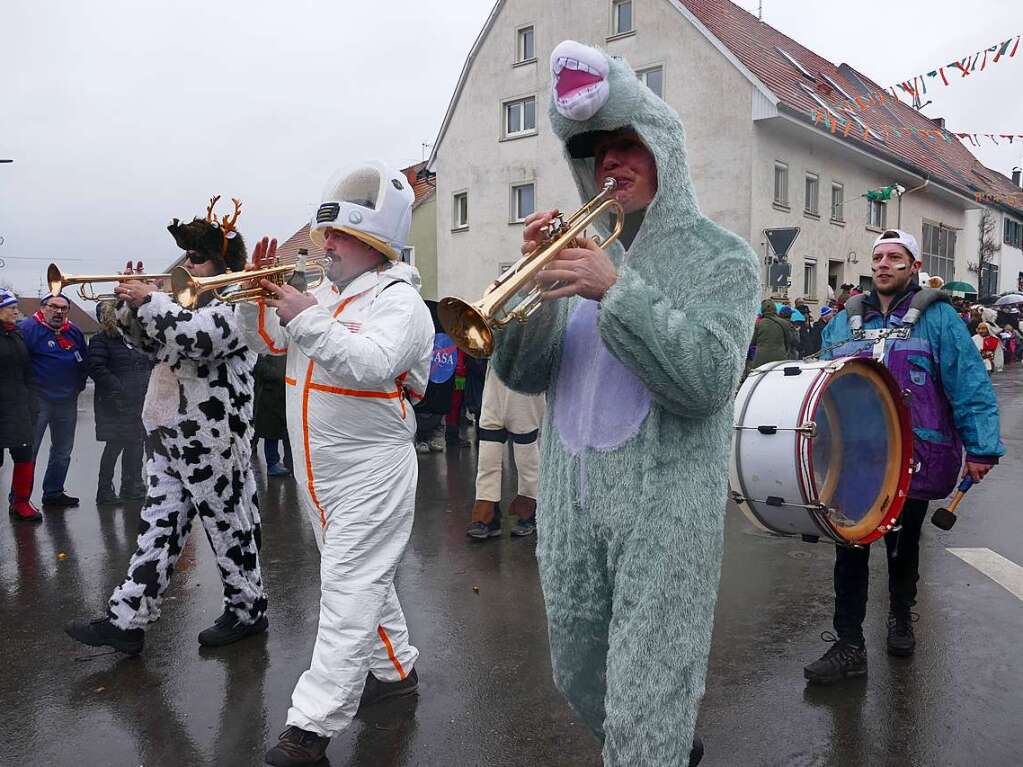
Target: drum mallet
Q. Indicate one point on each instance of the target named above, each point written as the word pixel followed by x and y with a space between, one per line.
pixel 945 517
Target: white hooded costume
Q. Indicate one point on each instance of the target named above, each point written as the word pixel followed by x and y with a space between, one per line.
pixel 356 361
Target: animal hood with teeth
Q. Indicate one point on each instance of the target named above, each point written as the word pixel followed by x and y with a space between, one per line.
pixel 579 74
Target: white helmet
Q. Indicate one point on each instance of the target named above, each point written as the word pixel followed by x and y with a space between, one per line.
pixel 372 203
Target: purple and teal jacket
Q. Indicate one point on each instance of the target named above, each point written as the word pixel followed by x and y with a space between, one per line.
pixel 947 390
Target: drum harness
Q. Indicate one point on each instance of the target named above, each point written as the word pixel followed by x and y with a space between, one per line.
pixel 855 309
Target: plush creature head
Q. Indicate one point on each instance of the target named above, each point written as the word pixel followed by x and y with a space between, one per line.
pixel 593 94
pixel 218 240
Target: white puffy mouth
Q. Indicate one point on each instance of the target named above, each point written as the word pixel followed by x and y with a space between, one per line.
pixel 579 75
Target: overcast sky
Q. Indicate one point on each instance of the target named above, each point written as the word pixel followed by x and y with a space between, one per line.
pixel 121 114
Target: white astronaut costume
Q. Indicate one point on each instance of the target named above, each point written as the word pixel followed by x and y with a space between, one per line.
pixel 356 361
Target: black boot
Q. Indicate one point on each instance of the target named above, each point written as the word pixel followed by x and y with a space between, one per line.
pixel 696 752
pixel 227 629
pixel 105 495
pixel 843 659
pixel 297 747
pixel 901 641
pixel 102 633
pixel 133 491
pixel 376 691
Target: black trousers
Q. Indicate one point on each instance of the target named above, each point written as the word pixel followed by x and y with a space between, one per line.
pixel 130 452
pixel 852 573
pixel 19 454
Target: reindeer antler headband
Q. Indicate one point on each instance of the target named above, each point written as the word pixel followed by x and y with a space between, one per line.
pixel 227 223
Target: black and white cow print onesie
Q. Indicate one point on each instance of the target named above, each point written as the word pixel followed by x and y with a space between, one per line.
pixel 198 417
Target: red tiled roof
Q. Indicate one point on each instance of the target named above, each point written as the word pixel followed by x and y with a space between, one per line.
pixel 423 187
pixel 756 44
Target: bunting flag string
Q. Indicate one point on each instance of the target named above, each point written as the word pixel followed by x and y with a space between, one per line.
pixel 887 130
pixel 917 86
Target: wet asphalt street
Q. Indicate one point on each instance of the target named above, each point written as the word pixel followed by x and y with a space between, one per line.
pixel 485 695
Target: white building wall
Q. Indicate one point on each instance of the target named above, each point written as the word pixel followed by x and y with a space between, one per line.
pixel 712 97
pixel 1008 258
pixel 840 248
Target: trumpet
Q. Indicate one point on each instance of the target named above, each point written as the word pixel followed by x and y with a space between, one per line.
pixel 57 281
pixel 229 287
pixel 472 326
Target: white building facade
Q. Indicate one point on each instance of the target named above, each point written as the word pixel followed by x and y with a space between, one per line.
pixel 755 163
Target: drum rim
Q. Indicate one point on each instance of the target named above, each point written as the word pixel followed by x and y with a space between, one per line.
pixel 878 521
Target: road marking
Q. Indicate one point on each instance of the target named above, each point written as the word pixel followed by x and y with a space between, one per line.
pixel 1002 571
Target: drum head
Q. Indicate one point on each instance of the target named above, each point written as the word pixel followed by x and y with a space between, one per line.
pixel 857 455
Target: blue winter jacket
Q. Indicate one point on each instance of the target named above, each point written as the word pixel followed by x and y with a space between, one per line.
pixel 59 373
pixel 949 394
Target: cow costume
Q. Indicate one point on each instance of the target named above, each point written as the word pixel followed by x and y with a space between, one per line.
pixel 198 416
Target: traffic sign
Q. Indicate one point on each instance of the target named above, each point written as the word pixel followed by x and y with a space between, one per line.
pixel 781 239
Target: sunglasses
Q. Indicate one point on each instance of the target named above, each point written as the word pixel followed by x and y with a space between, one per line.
pixel 197 258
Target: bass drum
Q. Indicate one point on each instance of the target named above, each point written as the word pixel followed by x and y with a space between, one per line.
pixel 822 448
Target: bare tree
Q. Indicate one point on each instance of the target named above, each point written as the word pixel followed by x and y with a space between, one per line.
pixel 988 248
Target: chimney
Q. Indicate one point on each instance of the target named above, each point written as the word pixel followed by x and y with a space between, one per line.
pixel 1016 177
pixel 939 121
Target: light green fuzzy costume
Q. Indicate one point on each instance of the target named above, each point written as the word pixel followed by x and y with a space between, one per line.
pixel 635 446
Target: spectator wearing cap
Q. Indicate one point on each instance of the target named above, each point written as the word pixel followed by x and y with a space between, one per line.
pixel 17 409
pixel 813 339
pixel 59 357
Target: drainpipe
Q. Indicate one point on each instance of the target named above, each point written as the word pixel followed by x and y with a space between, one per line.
pixel 902 194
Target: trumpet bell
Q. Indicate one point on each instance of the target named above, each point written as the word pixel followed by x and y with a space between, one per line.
pixel 54 279
pixel 468 327
pixel 184 287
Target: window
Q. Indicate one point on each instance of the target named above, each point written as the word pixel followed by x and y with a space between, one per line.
pixel 877 214
pixel 939 251
pixel 524 47
pixel 837 202
pixel 653 78
pixel 781 184
pixel 522 201
pixel 811 202
pixel 1013 233
pixel 408 255
pixel 461 211
pixel 621 17
pixel 988 282
pixel 810 278
pixel 520 117
pixel 837 87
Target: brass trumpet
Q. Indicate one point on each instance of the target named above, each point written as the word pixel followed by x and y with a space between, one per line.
pixel 57 281
pixel 228 287
pixel 472 326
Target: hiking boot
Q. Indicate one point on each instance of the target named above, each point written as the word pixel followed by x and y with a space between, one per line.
pixel 376 691
pixel 696 752
pixel 524 508
pixel 106 496
pixel 480 529
pixel 296 747
pixel 901 641
pixel 102 633
pixel 62 501
pixel 227 629
pixel 423 448
pixel 278 470
pixel 436 444
pixel 524 528
pixel 133 492
pixel 843 659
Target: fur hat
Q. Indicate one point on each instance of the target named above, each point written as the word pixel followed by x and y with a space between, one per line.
pixel 218 240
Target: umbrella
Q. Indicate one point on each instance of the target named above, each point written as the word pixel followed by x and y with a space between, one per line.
pixel 1009 299
pixel 959 287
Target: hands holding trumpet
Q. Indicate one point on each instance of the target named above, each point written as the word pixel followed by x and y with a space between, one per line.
pixel 287 300
pixel 134 291
pixel 584 270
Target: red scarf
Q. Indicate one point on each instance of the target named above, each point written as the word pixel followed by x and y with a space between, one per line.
pixel 65 343
pixel 9 326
